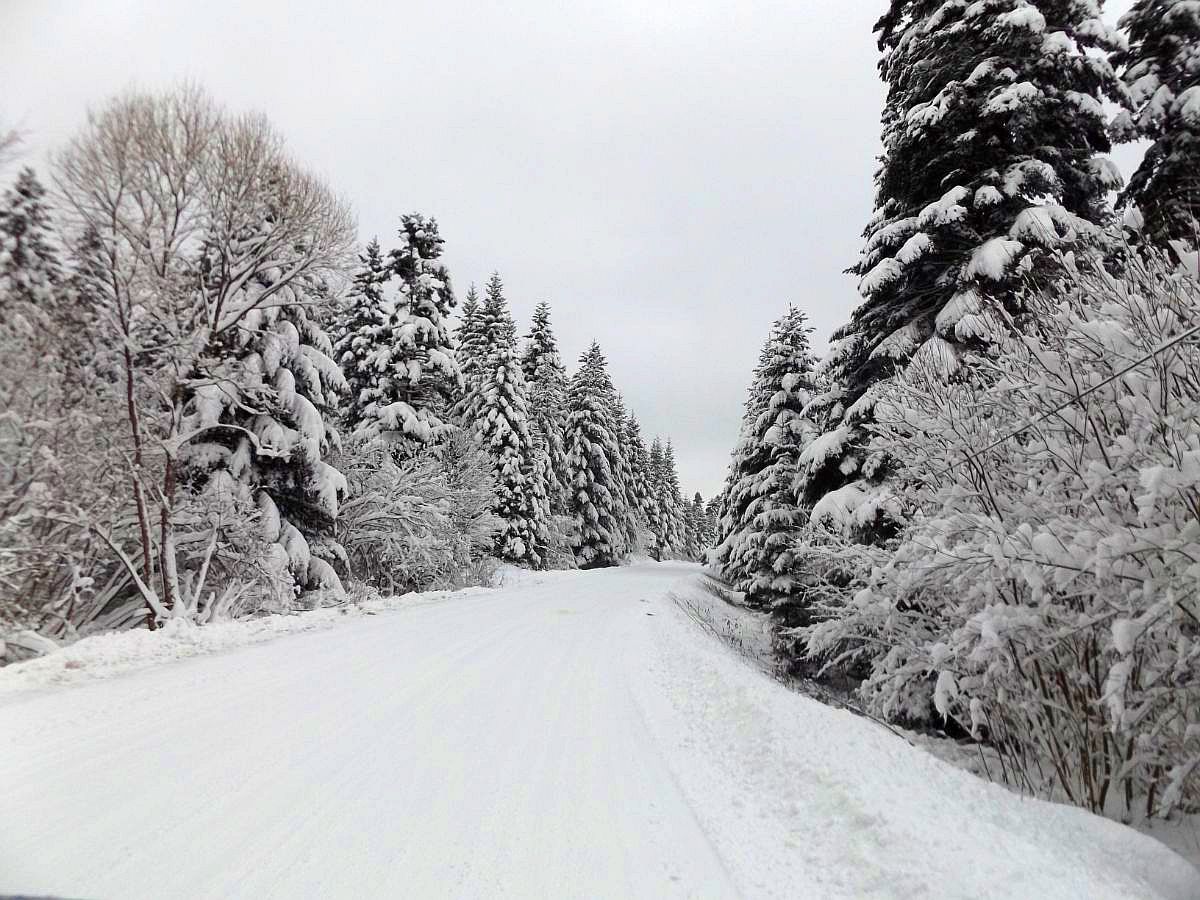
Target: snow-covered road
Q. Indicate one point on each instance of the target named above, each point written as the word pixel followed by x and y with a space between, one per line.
pixel 572 736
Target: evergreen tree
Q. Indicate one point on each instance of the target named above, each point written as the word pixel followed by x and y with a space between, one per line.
pixel 697 528
pixel 360 332
pixel 496 322
pixel 671 503
pixel 421 362
pixel 1161 67
pixel 761 510
pixel 634 516
pixel 469 337
pixel 547 381
pixel 991 131
pixel 592 461
pixel 655 512
pixel 501 423
pixel 270 444
pixel 638 486
pixel 30 270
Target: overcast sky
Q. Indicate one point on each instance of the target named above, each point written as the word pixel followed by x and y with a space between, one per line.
pixel 668 175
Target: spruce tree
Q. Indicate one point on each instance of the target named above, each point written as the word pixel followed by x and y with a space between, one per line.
pixel 501 425
pixel 1161 68
pixel 655 511
pixel 593 457
pixel 269 441
pixel 425 378
pixel 30 270
pixel 762 514
pixel 360 331
pixel 546 376
pixel 637 487
pixel 672 504
pixel 634 517
pixel 991 131
pixel 469 336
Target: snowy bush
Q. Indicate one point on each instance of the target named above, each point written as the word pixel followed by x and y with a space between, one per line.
pixel 1046 596
pixel 422 522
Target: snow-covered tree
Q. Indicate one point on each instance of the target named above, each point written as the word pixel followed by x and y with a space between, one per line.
pixel 547 380
pixel 1045 599
pixel 656 519
pixel 634 519
pixel 495 321
pixel 469 337
pixel 418 362
pixel 671 537
pixel 638 487
pixel 762 516
pixel 215 248
pixel 593 458
pixel 1161 68
pixel 500 420
pixel 992 129
pixel 360 331
pixel 30 269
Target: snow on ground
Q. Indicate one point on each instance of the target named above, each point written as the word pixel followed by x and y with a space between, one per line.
pixel 577 735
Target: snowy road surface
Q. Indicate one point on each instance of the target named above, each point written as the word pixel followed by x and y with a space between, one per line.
pixel 576 736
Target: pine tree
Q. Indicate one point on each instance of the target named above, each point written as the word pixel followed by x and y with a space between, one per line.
pixel 501 424
pixel 634 517
pixel 592 461
pixel 1161 67
pixel 991 132
pixel 655 512
pixel 360 331
pixel 697 528
pixel 469 337
pixel 672 504
pixel 496 323
pixel 421 362
pixel 30 269
pixel 270 444
pixel 762 516
pixel 546 376
pixel 638 487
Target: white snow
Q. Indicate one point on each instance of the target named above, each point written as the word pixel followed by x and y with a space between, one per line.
pixel 567 736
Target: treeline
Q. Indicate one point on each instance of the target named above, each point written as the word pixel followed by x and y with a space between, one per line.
pixel 982 508
pixel 213 404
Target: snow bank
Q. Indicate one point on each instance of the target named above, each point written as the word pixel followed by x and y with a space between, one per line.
pixel 805 800
pixel 114 653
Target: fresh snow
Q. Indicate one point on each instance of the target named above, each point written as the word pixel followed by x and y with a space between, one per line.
pixel 566 735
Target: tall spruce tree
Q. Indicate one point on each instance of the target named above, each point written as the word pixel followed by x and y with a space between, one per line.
pixel 501 424
pixel 672 503
pixel 469 337
pixel 634 519
pixel 1161 68
pixel 638 487
pixel 656 517
pixel 593 459
pixel 360 332
pixel 547 379
pixel 762 516
pixel 991 131
pixel 425 378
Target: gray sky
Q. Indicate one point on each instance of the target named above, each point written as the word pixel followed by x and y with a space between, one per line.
pixel 668 175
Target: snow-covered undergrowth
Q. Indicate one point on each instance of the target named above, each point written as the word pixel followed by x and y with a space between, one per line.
pixel 118 652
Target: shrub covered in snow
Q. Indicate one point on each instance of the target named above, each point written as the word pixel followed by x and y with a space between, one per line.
pixel 1044 595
